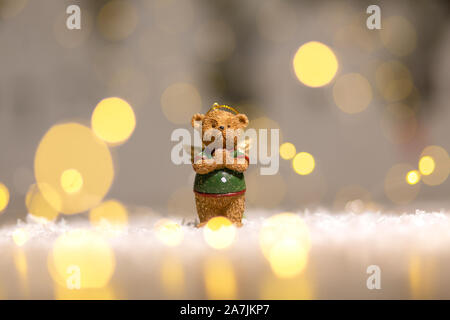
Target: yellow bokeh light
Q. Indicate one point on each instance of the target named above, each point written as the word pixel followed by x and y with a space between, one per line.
pixel 68 146
pixel 20 236
pixel 219 233
pixel 117 19
pixel 413 177
pixel 287 151
pixel 168 232
pixel 441 168
pixel 352 93
pixel 38 206
pixel 303 163
pixel 285 242
pixel 113 120
pixel 104 293
pixel 288 258
pixel 110 214
pixel 283 227
pixel 220 278
pixel 81 256
pixel 315 64
pixel 396 186
pixel 394 80
pixel 426 165
pixel 172 276
pixel 4 197
pixel 71 181
pixel 180 101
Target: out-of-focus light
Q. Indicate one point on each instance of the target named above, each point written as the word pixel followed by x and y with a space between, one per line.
pixel 426 165
pixel 113 120
pixel 215 41
pixel 394 81
pixel 397 188
pixel 287 151
pixel 20 236
pixel 11 8
pixel 352 93
pixel 413 177
pixel 220 278
pixel 288 258
pixel 315 64
pixel 285 242
pixel 303 163
pixel 352 198
pixel 180 101
pixel 172 276
pixel 300 287
pixel 219 233
pixel 117 20
pixel 398 35
pixel 110 214
pixel 4 197
pixel 168 232
pixel 68 146
pixel 441 168
pixel 83 257
pixel 71 181
pixel 104 293
pixel 38 206
pixel 422 277
pixel 283 227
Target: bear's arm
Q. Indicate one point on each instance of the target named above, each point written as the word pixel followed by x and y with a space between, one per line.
pixel 236 165
pixel 204 166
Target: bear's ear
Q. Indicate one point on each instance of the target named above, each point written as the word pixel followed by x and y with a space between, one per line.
pixel 243 120
pixel 198 117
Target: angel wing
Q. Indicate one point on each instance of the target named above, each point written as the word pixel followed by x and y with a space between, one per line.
pixel 192 150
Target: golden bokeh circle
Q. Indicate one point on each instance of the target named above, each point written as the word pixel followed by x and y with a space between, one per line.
pixel 426 165
pixel 441 168
pixel 287 151
pixel 394 80
pixel 413 177
pixel 4 197
pixel 113 120
pixel 110 214
pixel 39 207
pixel 180 101
pixel 397 188
pixel 117 19
pixel 303 163
pixel 352 93
pixel 84 253
pixel 73 146
pixel 315 64
pixel 398 35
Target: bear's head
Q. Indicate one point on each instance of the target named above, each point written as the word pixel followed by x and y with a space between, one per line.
pixel 220 120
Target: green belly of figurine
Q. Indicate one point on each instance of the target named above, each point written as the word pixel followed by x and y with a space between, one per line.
pixel 219 182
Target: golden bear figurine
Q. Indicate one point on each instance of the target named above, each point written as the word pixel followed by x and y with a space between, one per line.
pixel 219 185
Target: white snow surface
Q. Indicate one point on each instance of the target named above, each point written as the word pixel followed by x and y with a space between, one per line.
pixel 411 250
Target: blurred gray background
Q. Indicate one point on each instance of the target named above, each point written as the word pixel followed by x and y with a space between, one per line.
pixel 238 53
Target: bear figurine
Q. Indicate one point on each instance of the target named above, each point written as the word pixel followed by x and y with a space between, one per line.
pixel 219 185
